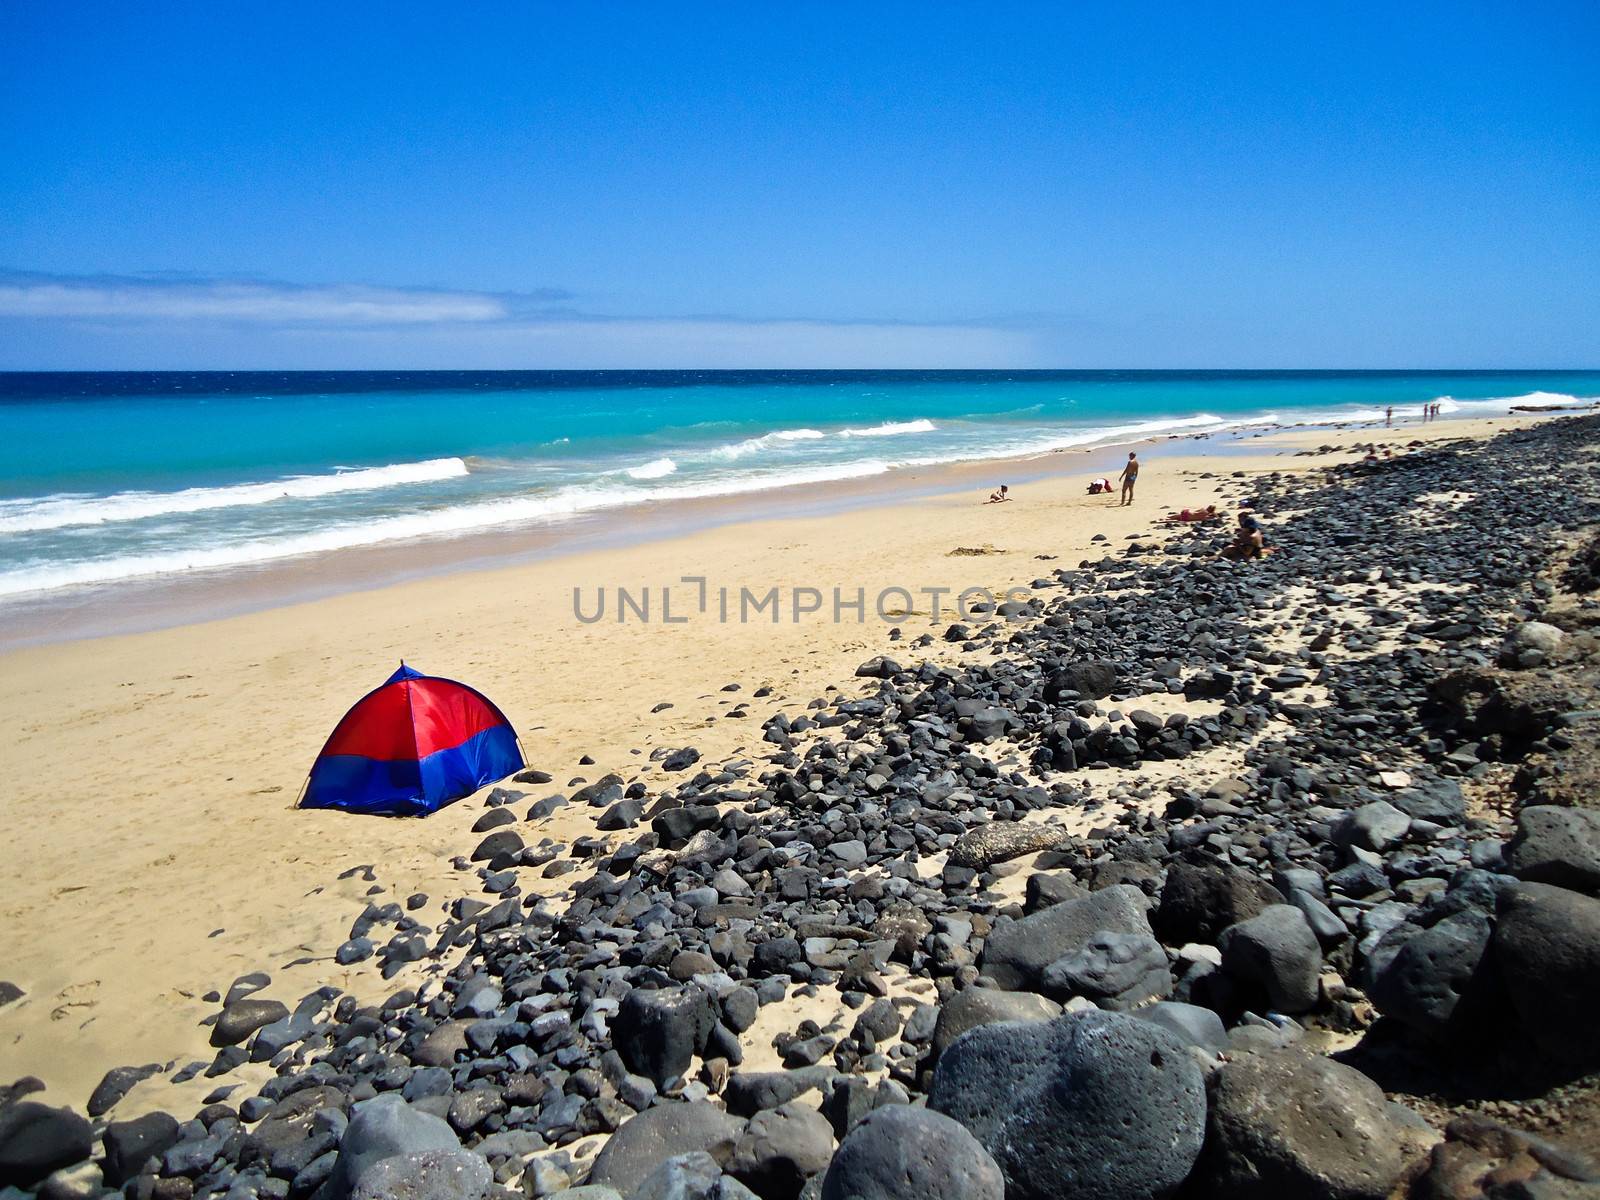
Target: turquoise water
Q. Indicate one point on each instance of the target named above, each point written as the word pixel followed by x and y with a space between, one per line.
pixel 113 476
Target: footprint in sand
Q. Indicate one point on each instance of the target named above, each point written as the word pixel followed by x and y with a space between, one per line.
pixel 75 999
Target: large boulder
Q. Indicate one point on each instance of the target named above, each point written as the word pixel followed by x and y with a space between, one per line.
pixel 131 1144
pixel 780 1149
pixel 1089 680
pixel 643 1143
pixel 1202 897
pixel 36 1139
pixel 1277 953
pixel 427 1175
pixel 1091 1104
pixel 1115 970
pixel 1283 1123
pixel 658 1032
pixel 1557 845
pixel 902 1153
pixel 381 1128
pixel 1547 952
pixel 1016 953
pixel 1001 841
pixel 986 1006
pixel 1432 978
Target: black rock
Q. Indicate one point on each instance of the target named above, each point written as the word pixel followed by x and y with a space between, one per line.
pixel 36 1139
pixel 1201 898
pixel 1091 1103
pixel 779 1149
pixel 680 760
pixel 1045 888
pixel 902 1153
pixel 1189 1023
pixel 1431 978
pixel 1283 1123
pixel 1016 953
pixel 241 1018
pixel 1090 680
pixel 441 1174
pixel 382 1128
pixel 1277 952
pixel 1554 845
pixel 693 1176
pixel 676 826
pixel 644 1142
pixel 495 818
pixel 130 1144
pixel 624 814
pixel 1117 971
pixel 116 1084
pixel 972 1007
pixel 502 842
pixel 1547 954
pixel 750 1092
pixel 658 1032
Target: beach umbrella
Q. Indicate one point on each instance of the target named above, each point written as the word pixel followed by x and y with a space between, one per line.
pixel 412 746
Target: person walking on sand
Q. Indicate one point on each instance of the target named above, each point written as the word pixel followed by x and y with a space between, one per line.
pixel 1129 477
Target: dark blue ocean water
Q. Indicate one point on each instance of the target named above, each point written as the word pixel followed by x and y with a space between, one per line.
pixel 110 476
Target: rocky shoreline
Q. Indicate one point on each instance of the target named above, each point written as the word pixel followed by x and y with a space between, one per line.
pixel 1186 877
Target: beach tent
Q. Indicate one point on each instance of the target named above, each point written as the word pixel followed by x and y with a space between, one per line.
pixel 411 747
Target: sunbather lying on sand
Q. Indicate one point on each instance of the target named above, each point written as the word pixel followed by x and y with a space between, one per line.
pixel 1208 513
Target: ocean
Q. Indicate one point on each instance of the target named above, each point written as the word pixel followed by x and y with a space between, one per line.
pixel 107 477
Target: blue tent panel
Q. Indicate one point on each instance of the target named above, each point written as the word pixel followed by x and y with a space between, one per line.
pixel 413 787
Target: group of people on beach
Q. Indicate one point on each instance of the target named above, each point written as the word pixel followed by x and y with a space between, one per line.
pixel 1248 542
pixel 1129 478
pixel 1430 412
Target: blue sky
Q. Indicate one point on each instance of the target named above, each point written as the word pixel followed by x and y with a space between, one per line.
pixel 590 185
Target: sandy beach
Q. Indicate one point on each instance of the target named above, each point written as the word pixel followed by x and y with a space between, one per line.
pixel 156 853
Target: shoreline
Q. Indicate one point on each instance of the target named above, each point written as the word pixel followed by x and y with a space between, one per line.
pixel 144 605
pixel 161 856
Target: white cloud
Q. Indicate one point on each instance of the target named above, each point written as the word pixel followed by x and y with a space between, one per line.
pixel 268 303
pixel 99 322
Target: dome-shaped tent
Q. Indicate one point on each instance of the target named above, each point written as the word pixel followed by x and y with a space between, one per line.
pixel 412 746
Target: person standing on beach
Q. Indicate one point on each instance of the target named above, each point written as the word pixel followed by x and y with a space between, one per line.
pixel 1129 477
pixel 1388 415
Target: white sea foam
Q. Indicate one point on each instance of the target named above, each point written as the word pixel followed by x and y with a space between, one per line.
pixel 655 469
pixel 891 429
pixel 766 441
pixel 715 472
pixel 1546 400
pixel 1201 422
pixel 63 511
pixel 1449 406
pixel 562 504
